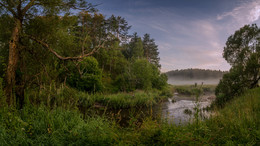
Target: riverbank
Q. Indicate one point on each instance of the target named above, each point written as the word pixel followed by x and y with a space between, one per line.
pixel 238 123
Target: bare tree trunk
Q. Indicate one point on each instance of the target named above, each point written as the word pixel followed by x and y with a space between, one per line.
pixel 12 62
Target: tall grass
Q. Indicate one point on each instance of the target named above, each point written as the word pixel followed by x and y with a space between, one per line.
pixel 189 90
pixel 70 98
pixel 237 123
pixel 40 126
pixel 128 100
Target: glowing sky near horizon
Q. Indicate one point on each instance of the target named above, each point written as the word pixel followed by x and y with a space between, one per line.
pixel 189 33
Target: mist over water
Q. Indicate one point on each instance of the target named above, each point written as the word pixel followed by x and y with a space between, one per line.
pixel 183 81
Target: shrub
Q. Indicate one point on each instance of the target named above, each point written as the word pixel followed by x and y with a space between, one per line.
pixel 230 85
pixel 86 76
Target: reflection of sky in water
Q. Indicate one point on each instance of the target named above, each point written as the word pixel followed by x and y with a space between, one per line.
pixel 175 111
pixel 175 81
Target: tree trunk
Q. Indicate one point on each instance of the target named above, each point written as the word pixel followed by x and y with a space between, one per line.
pixel 12 62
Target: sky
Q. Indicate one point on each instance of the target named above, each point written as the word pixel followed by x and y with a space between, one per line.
pixel 189 33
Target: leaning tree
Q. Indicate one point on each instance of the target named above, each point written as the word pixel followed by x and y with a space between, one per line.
pixel 21 13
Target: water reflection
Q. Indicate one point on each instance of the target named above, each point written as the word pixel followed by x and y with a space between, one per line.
pixel 171 111
pixel 174 111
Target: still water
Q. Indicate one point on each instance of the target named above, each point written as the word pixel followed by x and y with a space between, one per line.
pixel 174 112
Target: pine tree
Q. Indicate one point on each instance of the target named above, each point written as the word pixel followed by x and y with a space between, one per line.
pixel 151 50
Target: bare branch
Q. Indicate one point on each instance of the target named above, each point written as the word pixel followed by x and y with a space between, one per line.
pixel 66 58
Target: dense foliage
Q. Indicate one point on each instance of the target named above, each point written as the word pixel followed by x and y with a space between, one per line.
pixel 86 76
pixel 51 43
pixel 242 51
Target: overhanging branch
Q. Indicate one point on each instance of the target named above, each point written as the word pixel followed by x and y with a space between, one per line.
pixel 65 58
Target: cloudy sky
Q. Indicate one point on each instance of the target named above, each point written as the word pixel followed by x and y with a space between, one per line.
pixel 189 33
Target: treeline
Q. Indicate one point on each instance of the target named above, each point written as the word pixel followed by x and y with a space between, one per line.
pixel 195 74
pixel 45 44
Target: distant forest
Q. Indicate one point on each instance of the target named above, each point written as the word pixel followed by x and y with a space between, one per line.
pixel 195 74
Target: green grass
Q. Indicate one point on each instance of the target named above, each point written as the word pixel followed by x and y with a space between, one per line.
pixel 40 126
pixel 70 98
pixel 237 123
pixel 133 99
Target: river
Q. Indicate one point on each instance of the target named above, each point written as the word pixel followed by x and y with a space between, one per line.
pixel 172 112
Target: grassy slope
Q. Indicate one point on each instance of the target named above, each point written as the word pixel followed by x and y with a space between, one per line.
pixel 237 123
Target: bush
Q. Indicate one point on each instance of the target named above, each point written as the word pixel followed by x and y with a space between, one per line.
pixel 86 76
pixel 159 81
pixel 230 86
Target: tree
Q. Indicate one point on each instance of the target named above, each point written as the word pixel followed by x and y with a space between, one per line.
pixel 151 50
pixel 242 51
pixel 21 12
pixel 134 50
pixel 143 73
pixel 137 50
pixel 118 27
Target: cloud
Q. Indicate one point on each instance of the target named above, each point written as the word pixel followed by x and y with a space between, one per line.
pixel 199 43
pixel 183 43
pixel 247 12
pixel 189 41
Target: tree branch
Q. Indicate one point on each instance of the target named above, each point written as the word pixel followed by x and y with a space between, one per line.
pixel 27 7
pixel 9 9
pixel 66 58
pixel 254 84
